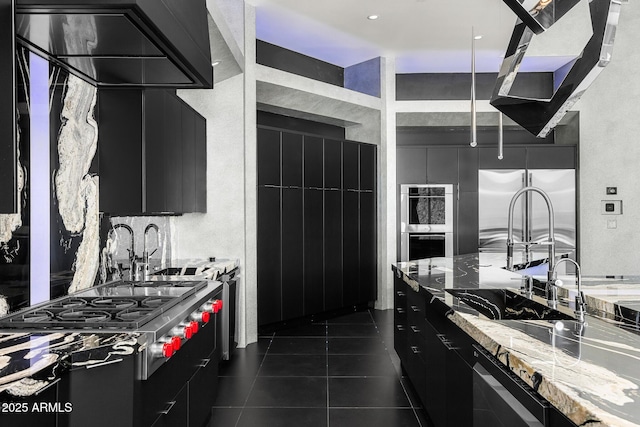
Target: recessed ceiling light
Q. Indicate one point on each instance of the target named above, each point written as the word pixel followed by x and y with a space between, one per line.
pixel 214 63
pixel 372 17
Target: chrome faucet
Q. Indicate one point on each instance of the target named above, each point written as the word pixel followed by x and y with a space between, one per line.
pixel 580 299
pixel 551 241
pixel 145 254
pixel 132 255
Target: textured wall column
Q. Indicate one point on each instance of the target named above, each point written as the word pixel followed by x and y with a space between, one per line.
pixel 609 154
pixel 249 295
pixel 387 184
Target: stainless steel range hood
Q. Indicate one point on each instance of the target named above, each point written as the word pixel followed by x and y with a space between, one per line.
pixel 156 43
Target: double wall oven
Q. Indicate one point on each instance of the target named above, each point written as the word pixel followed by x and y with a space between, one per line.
pixel 426 221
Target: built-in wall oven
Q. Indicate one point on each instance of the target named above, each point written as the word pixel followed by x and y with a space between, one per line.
pixel 426 221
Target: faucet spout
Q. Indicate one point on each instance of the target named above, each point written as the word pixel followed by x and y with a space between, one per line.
pixel 132 255
pixel 146 232
pixel 551 240
pixel 580 300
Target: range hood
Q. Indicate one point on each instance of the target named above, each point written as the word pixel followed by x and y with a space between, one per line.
pixel 154 43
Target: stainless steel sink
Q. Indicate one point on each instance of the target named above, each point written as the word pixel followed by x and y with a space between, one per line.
pixel 505 304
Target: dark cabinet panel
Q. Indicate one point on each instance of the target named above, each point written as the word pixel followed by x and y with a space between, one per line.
pixel 200 163
pixel 177 411
pixel 313 162
pixel 291 159
pixel 155 150
pixel 350 243
pixel 332 249
pixel 332 164
pixel 442 165
pixel 350 166
pixel 188 142
pixel 367 167
pixel 269 256
pixel 203 387
pixel 292 254
pixel 467 230
pixel 514 158
pixel 120 150
pixel 313 252
pixel 468 169
pixel 268 157
pixel 551 157
pixel 412 165
pixel 368 253
pixel 172 183
pixel 8 137
pixel 436 378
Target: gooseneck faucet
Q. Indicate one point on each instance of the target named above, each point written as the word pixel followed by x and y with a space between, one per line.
pixel 145 254
pixel 551 241
pixel 132 255
pixel 580 299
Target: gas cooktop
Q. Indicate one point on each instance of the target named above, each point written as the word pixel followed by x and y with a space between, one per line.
pixel 114 305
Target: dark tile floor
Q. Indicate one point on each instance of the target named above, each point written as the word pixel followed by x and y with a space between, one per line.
pixel 339 372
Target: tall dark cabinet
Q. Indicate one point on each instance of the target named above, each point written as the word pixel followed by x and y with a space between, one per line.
pixel 316 224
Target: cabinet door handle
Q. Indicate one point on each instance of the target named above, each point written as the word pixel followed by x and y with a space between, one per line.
pixel 401 294
pixel 166 411
pixel 400 328
pixel 415 308
pixel 415 349
pixel 448 344
pixel 415 329
pixel 400 310
pixel 204 363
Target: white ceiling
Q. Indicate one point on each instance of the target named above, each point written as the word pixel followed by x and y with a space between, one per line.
pixel 423 35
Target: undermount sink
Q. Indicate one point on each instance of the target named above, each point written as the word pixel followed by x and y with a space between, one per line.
pixel 505 304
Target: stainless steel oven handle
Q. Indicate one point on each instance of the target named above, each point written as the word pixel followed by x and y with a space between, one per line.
pixel 171 405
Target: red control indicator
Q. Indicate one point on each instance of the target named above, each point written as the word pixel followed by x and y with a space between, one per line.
pixel 188 332
pixel 206 316
pixel 217 305
pixel 194 327
pixel 167 350
pixel 175 343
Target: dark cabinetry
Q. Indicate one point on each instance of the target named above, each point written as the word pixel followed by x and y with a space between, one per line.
pixel 316 234
pixel 152 153
pixel 428 350
pixel 8 139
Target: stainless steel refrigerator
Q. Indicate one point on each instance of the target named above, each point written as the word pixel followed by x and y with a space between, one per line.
pixel 495 191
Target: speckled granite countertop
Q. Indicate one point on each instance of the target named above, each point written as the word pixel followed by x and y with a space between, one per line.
pixel 30 362
pixel 590 372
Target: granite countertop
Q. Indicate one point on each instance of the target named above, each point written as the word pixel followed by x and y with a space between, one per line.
pixel 589 372
pixel 31 362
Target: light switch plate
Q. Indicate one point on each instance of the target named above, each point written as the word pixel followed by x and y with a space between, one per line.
pixel 611 207
pixel 612 190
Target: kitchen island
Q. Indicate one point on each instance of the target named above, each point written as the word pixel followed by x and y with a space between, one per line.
pixel 587 372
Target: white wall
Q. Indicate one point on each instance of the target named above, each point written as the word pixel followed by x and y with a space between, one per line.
pixel 221 231
pixel 610 155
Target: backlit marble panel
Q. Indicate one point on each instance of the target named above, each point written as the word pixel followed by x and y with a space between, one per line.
pixel 76 191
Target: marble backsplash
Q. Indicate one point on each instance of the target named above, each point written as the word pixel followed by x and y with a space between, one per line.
pixel 74 197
